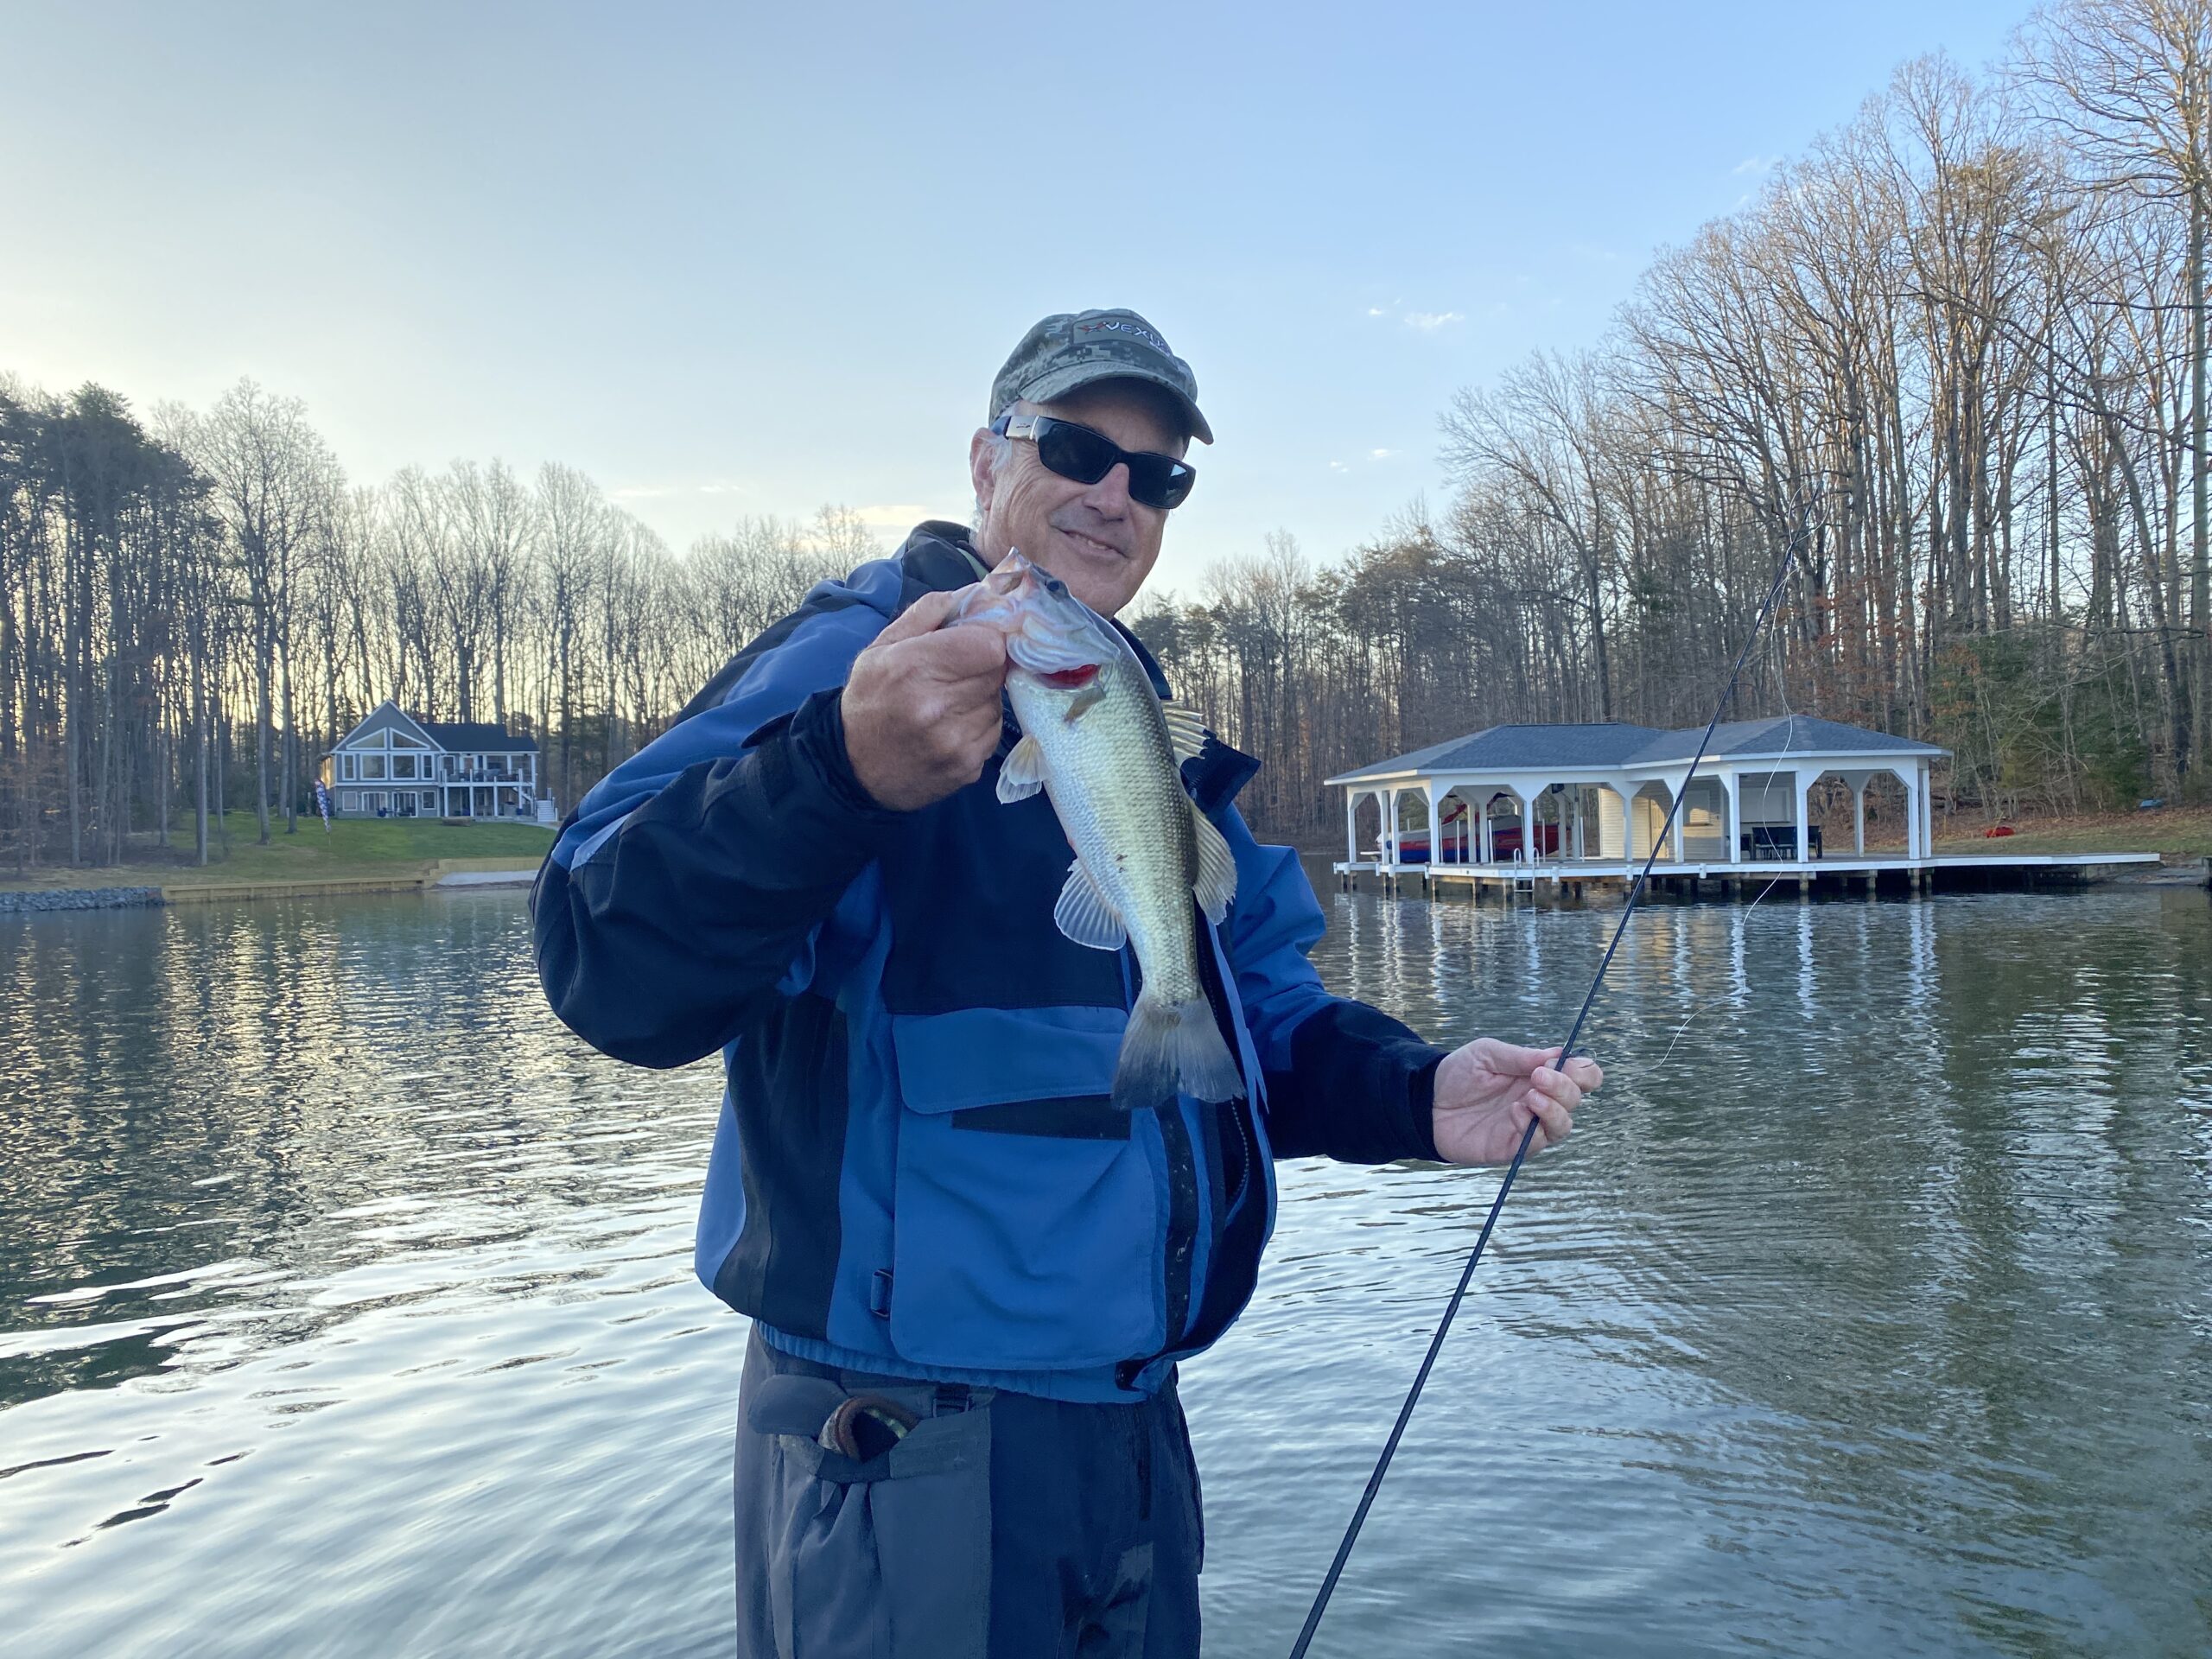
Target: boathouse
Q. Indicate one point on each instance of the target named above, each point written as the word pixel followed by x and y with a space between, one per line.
pixel 1562 804
pixel 394 765
pixel 1582 793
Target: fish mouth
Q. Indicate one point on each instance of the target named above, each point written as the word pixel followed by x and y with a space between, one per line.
pixel 1049 633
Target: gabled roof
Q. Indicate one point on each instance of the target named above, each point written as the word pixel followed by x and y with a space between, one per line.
pixel 479 736
pixel 1618 745
pixel 397 714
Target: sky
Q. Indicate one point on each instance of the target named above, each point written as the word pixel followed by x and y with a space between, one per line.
pixel 739 259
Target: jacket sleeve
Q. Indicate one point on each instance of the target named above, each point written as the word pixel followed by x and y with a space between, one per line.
pixel 1343 1079
pixel 692 877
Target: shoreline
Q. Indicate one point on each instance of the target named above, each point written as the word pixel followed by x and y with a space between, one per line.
pixel 444 873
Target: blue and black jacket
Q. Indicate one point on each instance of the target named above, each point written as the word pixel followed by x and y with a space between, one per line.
pixel 917 1169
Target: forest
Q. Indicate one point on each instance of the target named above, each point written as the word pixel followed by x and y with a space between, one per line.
pixel 1951 362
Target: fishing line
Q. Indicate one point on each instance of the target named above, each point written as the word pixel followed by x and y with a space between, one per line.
pixel 1521 1153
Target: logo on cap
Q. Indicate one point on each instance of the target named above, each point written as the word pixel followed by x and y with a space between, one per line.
pixel 1082 331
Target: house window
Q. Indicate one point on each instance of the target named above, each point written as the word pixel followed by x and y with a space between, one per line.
pixel 349 800
pixel 346 767
pixel 372 765
pixel 403 765
pixel 399 742
pixel 430 799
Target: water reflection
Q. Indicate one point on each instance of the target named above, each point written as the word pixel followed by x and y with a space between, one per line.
pixel 345 1302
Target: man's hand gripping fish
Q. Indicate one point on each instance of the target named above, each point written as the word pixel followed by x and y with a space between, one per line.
pixel 1100 744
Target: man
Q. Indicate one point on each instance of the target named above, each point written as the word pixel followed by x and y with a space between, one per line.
pixel 971 1276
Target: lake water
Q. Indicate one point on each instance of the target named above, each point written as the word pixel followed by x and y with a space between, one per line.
pixel 346 1304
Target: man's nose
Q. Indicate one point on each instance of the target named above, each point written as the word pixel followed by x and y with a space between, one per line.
pixel 1110 496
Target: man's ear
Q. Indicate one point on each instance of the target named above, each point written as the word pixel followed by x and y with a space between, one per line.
pixel 979 466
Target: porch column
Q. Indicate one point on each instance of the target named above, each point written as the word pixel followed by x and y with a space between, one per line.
pixel 1352 826
pixel 1732 795
pixel 1484 827
pixel 1390 825
pixel 1435 797
pixel 1858 817
pixel 1804 786
pixel 1912 806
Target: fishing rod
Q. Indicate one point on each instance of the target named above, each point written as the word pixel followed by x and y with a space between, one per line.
pixel 1521 1153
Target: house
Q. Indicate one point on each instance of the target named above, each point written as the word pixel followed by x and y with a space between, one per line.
pixel 1600 793
pixel 394 765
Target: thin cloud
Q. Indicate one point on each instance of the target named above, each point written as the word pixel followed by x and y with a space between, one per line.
pixel 662 491
pixel 895 515
pixel 1756 167
pixel 1381 454
pixel 1429 321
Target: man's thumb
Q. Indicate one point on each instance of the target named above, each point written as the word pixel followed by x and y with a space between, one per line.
pixel 926 615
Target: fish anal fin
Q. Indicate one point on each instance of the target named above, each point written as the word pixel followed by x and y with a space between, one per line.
pixel 1215 887
pixel 1021 774
pixel 1084 914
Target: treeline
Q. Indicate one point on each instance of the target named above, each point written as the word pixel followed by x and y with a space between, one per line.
pixel 193 607
pixel 1955 357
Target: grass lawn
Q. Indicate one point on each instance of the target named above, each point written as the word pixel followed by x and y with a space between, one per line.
pixel 2181 834
pixel 353 848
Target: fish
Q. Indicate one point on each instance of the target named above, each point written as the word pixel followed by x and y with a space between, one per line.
pixel 1108 753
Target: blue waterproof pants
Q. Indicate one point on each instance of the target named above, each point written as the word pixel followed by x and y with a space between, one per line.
pixel 1002 1526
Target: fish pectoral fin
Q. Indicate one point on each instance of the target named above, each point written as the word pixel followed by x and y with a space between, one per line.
pixel 1084 914
pixel 1216 883
pixel 1086 700
pixel 1021 774
pixel 1184 730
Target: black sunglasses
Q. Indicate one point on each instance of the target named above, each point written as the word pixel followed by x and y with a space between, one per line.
pixel 1083 456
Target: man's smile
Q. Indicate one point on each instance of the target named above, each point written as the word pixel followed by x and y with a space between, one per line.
pixel 1091 544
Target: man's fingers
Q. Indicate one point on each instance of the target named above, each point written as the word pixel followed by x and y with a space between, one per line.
pixel 1512 1059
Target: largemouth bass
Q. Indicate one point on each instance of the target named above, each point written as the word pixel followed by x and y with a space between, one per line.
pixel 1108 754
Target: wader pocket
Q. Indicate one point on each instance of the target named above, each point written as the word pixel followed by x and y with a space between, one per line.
pixel 890 1559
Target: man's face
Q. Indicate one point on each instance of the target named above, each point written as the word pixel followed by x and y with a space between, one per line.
pixel 1092 536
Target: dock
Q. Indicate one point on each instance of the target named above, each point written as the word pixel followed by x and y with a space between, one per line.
pixel 1568 878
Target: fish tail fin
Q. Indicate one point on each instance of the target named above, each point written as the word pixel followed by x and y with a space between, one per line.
pixel 1173 1048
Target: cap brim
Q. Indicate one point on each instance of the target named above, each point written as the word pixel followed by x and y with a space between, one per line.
pixel 1060 382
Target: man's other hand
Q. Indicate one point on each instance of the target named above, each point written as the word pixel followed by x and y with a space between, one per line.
pixel 921 706
pixel 1487 1092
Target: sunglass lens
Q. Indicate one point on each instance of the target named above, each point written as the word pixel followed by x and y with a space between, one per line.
pixel 1074 452
pixel 1159 482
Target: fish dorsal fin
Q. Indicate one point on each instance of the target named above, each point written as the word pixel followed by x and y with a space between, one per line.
pixel 1216 883
pixel 1084 914
pixel 1021 774
pixel 1184 730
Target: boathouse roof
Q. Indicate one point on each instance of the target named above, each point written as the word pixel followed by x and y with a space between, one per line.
pixel 1616 745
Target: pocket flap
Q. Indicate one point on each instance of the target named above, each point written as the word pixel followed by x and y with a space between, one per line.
pixel 987 1057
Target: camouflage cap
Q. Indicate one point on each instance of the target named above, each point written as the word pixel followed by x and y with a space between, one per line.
pixel 1072 349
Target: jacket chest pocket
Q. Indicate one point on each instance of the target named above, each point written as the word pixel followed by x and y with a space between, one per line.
pixel 1029 1215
